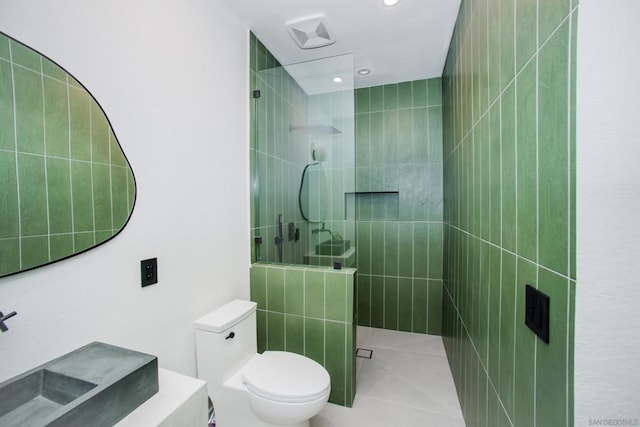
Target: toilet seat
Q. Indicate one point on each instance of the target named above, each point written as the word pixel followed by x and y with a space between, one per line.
pixel 286 377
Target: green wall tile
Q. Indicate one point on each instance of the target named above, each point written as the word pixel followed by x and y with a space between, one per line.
pixel 102 235
pixel 495 179
pixel 391 303
pixel 275 290
pixel 362 100
pixel 82 196
pixel 56 117
pixel 434 91
pixel 494 41
pixel 101 178
pixel 553 190
pixel 294 291
pixel 7 130
pixel 377 248
pixel 377 301
pixel 551 359
pixel 314 294
pixel 336 360
pixel 524 373
pixel 493 313
pixel 376 98
pixel 314 339
pixel 10 255
pixel 275 331
pixel 420 250
pixel 405 304
pixel 550 15
pixel 507 54
pixel 405 249
pixel 364 300
pixel 419 93
pixel 59 195
pixel 527 166
pixel 390 93
pixel 24 56
pixel 80 124
pixel 117 156
pixel 4 47
pixel 405 95
pixel 35 251
pixel 434 321
pixel 258 285
pixel 420 305
pixel 507 324
pixel 28 111
pixel 435 251
pixel 261 323
pixel 83 240
pixel 120 205
pixel 8 203
pixel 526 34
pixel 509 169
pixel 32 195
pixel 391 249
pixel 61 246
pixel 336 296
pixel 294 338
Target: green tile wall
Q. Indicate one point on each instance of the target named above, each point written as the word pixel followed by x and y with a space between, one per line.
pixel 399 210
pixel 309 311
pixel 509 189
pixel 66 184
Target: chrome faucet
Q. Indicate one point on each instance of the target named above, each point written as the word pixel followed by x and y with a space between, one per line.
pixel 3 327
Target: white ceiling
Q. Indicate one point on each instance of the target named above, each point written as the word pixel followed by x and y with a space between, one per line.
pixel 402 43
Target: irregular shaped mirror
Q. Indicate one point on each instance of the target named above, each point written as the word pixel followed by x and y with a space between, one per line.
pixel 314 196
pixel 65 184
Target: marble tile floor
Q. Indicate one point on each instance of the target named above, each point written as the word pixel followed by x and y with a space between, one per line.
pixel 406 383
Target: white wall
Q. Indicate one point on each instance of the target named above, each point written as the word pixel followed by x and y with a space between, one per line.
pixel 607 350
pixel 172 78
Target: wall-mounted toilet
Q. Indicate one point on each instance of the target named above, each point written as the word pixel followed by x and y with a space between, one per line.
pixel 249 389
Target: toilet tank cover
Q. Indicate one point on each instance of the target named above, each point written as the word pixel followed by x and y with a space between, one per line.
pixel 226 316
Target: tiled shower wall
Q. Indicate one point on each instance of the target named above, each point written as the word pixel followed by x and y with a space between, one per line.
pixel 399 206
pixel 65 183
pixel 509 167
pixel 278 155
pixel 309 311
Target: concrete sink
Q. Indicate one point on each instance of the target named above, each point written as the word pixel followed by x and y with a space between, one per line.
pixel 96 385
pixel 333 247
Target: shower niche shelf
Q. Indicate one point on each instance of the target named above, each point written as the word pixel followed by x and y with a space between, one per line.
pixel 372 205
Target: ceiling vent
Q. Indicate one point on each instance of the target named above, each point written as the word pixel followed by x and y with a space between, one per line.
pixel 310 32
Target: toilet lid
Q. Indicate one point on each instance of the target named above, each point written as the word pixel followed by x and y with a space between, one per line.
pixel 286 377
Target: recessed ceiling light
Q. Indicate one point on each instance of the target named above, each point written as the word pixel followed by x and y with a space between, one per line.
pixel 364 71
pixel 337 79
pixel 390 3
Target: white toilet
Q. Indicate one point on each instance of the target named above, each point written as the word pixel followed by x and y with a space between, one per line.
pixel 255 390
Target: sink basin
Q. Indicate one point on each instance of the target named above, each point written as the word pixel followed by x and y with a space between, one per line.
pixel 333 247
pixel 33 398
pixel 97 385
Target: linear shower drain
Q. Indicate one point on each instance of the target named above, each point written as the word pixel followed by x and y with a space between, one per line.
pixel 364 353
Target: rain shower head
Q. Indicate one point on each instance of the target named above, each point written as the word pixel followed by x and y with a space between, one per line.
pixel 315 130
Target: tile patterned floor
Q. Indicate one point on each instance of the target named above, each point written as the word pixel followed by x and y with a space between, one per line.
pixel 407 383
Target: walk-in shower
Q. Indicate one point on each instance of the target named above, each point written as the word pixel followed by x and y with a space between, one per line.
pixel 302 162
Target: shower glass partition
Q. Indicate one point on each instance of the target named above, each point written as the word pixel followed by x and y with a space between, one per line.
pixel 303 162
